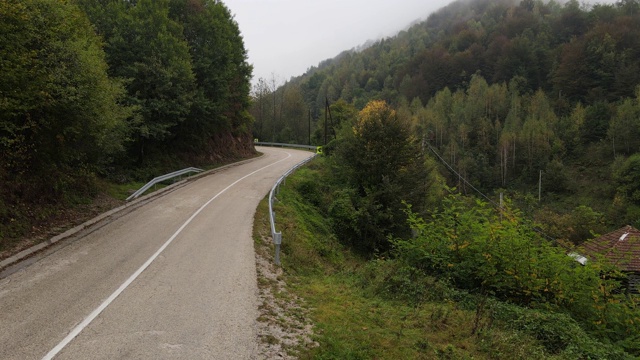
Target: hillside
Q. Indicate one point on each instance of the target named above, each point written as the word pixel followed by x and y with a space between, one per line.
pixel 469 284
pixel 502 91
pixel 113 92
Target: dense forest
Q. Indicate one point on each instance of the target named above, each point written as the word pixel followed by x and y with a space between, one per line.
pixel 113 89
pixel 423 133
pixel 507 94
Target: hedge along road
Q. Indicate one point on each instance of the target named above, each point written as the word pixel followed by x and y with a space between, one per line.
pixel 173 279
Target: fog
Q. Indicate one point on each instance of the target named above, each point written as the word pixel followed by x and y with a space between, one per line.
pixel 286 37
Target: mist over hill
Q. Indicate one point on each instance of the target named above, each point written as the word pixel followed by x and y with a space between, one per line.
pixel 502 90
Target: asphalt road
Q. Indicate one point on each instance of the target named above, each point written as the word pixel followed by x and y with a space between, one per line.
pixel 173 279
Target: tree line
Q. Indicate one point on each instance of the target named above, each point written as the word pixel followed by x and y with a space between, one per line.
pixel 117 89
pixel 502 90
pixel 384 199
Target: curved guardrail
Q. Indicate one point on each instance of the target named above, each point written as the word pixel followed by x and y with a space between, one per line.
pixel 275 235
pixel 261 143
pixel 162 178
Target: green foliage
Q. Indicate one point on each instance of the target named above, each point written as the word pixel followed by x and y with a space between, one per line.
pixel 624 129
pixel 556 177
pixel 310 245
pixel 75 104
pixel 387 308
pixel 59 108
pixel 503 89
pixel 147 48
pixel 222 74
pixel 382 166
pixel 581 224
pixel 500 255
pixel 559 333
pixel 60 114
pixel 627 178
pixel 184 66
pixel 584 53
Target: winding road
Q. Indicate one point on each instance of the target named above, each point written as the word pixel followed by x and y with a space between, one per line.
pixel 172 279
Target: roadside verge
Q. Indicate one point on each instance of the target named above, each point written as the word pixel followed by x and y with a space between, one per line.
pixel 30 255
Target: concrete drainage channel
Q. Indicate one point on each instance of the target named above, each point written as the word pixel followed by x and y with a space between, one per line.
pixel 28 256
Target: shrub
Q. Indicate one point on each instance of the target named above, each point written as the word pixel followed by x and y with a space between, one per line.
pixel 499 254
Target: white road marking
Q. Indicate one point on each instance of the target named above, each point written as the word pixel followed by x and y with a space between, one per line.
pixel 78 329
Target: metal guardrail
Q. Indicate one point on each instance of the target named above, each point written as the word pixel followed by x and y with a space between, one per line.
pixel 162 178
pixel 277 236
pixel 310 147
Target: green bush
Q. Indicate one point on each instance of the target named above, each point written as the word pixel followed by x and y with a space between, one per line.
pixel 499 254
pixel 559 333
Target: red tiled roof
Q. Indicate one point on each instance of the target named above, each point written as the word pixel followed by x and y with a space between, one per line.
pixel 621 247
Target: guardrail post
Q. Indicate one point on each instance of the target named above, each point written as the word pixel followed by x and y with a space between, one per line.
pixel 277 236
pixel 277 240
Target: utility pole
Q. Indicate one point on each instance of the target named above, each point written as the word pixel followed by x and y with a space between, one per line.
pixel 274 88
pixel 326 111
pixel 333 128
pixel 540 187
pixel 309 126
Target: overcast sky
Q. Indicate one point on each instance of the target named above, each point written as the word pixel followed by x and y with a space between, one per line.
pixel 286 37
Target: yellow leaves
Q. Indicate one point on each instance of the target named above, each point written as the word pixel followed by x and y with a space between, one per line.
pixel 456 247
pixel 374 109
pixel 374 112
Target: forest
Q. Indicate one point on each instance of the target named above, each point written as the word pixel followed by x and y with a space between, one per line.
pixel 113 90
pixel 509 94
pixel 467 156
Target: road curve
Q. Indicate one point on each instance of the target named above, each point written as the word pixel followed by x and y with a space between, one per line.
pixel 173 279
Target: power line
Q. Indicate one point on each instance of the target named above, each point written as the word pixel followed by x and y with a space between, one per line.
pixel 461 177
pixel 498 206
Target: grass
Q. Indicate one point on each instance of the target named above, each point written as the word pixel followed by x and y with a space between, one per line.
pixel 359 312
pixel 121 191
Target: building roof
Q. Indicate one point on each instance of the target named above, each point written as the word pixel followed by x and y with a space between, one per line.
pixel 621 247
